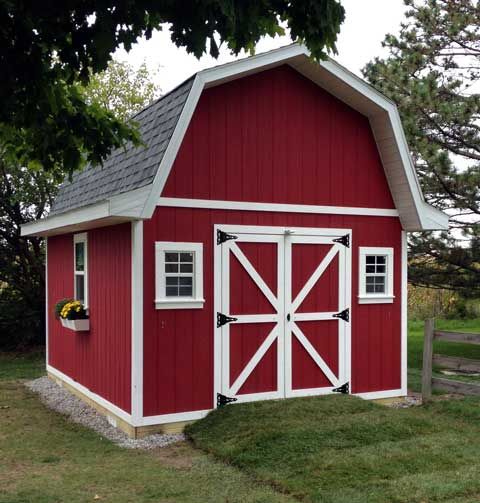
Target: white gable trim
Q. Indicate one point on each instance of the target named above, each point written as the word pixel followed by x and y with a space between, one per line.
pixel 414 213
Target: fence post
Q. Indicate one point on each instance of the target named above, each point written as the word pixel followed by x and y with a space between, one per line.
pixel 427 359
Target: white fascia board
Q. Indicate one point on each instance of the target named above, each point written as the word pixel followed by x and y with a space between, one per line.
pixel 173 146
pixel 240 68
pixel 45 225
pixel 433 219
pixel 120 208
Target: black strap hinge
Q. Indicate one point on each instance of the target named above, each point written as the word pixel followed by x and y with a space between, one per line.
pixel 343 315
pixel 223 236
pixel 344 240
pixel 223 400
pixel 344 388
pixel 223 319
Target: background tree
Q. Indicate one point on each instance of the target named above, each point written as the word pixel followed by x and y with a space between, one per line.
pixel 121 89
pixel 27 194
pixel 432 73
pixel 47 48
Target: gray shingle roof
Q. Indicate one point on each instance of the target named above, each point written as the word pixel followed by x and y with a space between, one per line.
pixel 131 168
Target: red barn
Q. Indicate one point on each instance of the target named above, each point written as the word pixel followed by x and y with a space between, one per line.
pixel 253 248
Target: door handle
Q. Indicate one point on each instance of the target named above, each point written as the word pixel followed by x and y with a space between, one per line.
pixel 288 317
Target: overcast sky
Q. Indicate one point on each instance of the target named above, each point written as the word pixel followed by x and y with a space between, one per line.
pixel 367 22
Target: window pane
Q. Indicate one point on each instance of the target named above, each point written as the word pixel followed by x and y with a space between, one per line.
pixel 370 268
pixel 80 288
pixel 370 280
pixel 186 267
pixel 186 291
pixel 370 259
pixel 379 288
pixel 370 288
pixel 381 259
pixel 171 267
pixel 171 280
pixel 171 257
pixel 171 291
pixel 381 269
pixel 186 257
pixel 79 256
pixel 185 281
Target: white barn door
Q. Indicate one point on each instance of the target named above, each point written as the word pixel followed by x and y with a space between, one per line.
pixel 282 312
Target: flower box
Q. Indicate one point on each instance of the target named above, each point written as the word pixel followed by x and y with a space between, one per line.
pixel 76 325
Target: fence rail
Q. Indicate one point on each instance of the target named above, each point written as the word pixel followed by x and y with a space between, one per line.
pixel 430 383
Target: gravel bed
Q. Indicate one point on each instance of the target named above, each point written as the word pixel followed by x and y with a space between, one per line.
pixel 407 402
pixel 61 400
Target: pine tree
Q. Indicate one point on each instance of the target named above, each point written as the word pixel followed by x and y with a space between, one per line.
pixel 432 72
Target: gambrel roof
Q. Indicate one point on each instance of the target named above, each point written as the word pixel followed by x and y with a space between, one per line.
pixel 129 184
pixel 127 168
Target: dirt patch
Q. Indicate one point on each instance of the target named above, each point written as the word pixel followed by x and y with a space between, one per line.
pixel 180 455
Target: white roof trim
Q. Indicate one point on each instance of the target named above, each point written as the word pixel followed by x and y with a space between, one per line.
pixel 415 214
pixel 121 208
pixel 383 114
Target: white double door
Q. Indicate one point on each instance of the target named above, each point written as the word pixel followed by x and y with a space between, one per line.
pixel 282 311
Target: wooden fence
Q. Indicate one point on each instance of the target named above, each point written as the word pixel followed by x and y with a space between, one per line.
pixel 430 383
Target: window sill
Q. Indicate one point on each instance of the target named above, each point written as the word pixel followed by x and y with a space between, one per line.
pixel 376 299
pixel 179 303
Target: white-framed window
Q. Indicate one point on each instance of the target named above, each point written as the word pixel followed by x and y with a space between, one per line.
pixel 80 266
pixel 178 275
pixel 376 275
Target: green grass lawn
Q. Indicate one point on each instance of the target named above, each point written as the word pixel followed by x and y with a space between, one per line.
pixel 46 459
pixel 22 365
pixel 328 449
pixel 343 449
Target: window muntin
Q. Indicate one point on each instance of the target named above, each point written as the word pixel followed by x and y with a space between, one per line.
pixel 179 275
pixel 376 275
pixel 80 268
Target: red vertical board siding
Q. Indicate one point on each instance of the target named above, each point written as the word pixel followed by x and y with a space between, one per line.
pixel 100 359
pixel 277 137
pixel 178 344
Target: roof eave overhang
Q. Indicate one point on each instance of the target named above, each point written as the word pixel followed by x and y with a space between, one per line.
pixel 118 209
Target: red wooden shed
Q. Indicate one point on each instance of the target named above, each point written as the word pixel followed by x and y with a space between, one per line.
pixel 253 248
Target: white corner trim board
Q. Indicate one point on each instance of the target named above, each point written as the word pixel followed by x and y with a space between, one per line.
pixel 178 202
pixel 137 321
pixel 404 313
